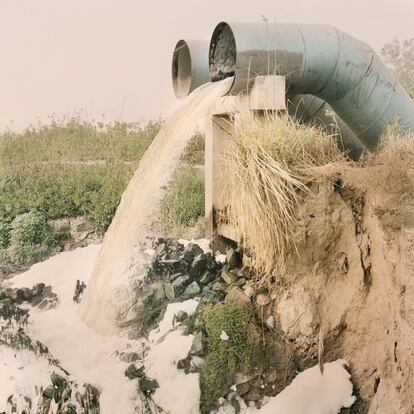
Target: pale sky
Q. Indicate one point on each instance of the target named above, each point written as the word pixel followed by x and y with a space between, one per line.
pixel 113 57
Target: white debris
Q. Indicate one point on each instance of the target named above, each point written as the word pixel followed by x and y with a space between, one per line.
pixel 270 322
pixel 220 258
pixel 166 325
pixel 224 336
pixel 204 244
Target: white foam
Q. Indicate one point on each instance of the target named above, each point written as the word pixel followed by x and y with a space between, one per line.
pixel 87 356
pixel 310 393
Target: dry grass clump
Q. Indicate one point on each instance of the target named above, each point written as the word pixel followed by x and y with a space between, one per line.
pixel 267 164
pixel 395 157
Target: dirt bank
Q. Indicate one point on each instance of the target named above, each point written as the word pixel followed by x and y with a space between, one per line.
pixel 352 276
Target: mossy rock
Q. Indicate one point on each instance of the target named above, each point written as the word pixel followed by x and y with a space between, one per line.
pixel 240 351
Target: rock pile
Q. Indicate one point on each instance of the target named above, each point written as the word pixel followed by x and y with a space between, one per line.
pixel 178 272
pixel 72 232
pixel 39 295
pixel 68 397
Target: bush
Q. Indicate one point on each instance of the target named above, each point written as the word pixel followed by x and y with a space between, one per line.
pixel 194 152
pixel 226 358
pixel 5 229
pixel 70 168
pixel 182 206
pixel 31 239
pixel 74 140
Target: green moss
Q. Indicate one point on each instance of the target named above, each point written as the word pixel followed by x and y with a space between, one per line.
pixel 240 353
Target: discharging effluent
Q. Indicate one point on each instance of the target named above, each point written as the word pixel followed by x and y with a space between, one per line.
pixel 121 258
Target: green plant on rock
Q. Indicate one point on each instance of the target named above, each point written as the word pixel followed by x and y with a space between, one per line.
pixel 239 353
pixel 31 239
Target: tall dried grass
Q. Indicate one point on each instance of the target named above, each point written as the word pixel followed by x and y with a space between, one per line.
pixel 267 164
pixel 395 156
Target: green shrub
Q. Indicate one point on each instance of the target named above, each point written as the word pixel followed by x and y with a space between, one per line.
pixel 104 202
pixel 225 358
pixel 194 152
pixel 5 229
pixel 70 168
pixel 182 206
pixel 74 140
pixel 31 239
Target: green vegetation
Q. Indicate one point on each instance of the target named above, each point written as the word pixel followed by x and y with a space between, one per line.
pixel 60 190
pixel 5 230
pixel 194 153
pixel 225 358
pixel 70 168
pixel 182 207
pixel 66 168
pixel 28 239
pixel 75 140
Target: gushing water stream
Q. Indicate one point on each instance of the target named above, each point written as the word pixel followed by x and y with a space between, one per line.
pixel 120 259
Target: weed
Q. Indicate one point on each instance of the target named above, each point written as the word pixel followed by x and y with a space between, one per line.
pixel 70 168
pixel 5 230
pixel 31 239
pixel 76 140
pixel 194 152
pixel 182 207
pixel 395 155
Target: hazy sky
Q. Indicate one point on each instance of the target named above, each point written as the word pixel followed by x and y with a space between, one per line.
pixel 112 57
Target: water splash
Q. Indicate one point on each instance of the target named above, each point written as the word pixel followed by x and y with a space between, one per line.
pixel 121 257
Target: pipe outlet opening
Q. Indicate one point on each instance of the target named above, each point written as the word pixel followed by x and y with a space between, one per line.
pixel 181 69
pixel 222 53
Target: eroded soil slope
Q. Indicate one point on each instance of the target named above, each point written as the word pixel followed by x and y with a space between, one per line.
pixel 352 279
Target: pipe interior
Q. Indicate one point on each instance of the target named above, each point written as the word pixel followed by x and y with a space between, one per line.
pixel 222 54
pixel 181 69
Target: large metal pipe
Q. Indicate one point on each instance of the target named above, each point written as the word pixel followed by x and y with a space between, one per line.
pixel 309 109
pixel 190 70
pixel 319 60
pixel 189 66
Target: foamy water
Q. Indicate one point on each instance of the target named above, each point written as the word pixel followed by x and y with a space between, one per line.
pixel 120 259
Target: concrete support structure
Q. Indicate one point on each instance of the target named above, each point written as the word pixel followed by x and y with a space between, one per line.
pixel 267 94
